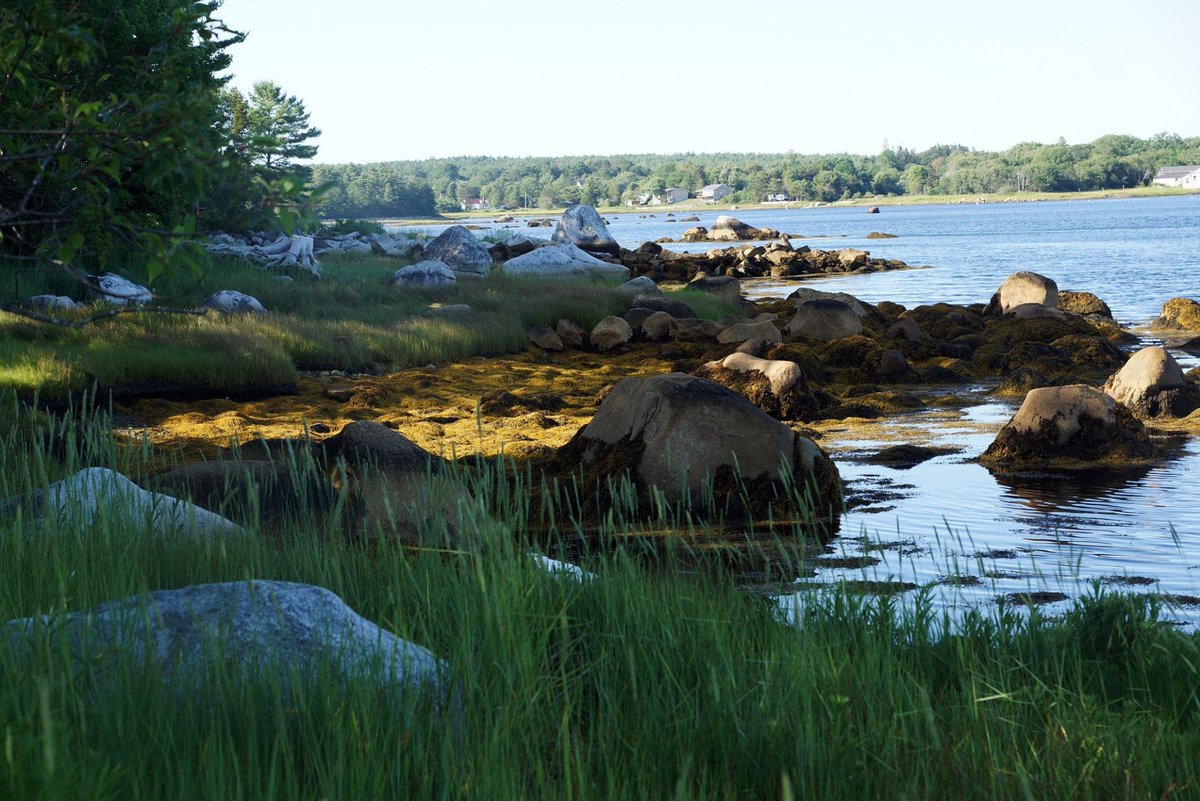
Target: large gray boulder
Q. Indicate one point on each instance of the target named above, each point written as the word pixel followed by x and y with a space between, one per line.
pixel 1023 287
pixel 230 301
pixel 583 227
pixel 261 629
pixel 678 435
pixel 1152 384
pixel 563 260
pixel 1075 426
pixel 642 285
pixel 824 319
pixel 461 252
pixel 427 273
pixel 119 291
pixel 96 494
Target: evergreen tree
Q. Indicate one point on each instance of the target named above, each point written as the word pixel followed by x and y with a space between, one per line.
pixel 277 130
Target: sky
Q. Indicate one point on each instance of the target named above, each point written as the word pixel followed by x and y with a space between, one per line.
pixel 415 79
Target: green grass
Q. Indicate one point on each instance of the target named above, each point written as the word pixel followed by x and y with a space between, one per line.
pixel 349 320
pixel 658 679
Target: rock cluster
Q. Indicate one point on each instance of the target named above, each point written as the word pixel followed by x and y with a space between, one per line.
pixel 777 259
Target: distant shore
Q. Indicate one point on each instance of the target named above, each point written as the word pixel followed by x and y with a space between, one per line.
pixel 695 205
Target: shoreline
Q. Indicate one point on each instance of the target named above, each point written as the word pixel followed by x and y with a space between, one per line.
pixel 694 205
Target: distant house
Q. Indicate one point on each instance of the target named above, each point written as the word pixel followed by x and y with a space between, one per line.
pixel 474 204
pixel 779 197
pixel 1184 176
pixel 671 195
pixel 714 192
pixel 640 200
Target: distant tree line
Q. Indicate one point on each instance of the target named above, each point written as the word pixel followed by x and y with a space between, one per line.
pixel 405 188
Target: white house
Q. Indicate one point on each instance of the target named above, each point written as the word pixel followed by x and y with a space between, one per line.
pixel 715 192
pixel 671 195
pixel 1184 176
pixel 779 197
pixel 473 204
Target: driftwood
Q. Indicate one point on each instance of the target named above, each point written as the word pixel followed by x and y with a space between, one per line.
pixel 284 251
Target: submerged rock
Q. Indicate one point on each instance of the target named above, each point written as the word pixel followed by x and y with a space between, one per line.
pixel 1071 426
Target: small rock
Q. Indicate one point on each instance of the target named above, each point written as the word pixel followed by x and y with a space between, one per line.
pixel 430 272
pixel 544 337
pixel 228 301
pixel 609 333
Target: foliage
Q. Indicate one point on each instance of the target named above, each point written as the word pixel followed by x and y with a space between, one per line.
pixel 659 678
pixel 420 187
pixel 107 110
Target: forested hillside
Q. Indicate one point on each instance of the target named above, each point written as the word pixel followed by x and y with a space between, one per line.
pixel 402 188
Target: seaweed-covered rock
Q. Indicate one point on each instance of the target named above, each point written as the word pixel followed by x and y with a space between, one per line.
pixel 779 388
pixel 1152 384
pixel 1071 426
pixel 1179 313
pixel 685 436
pixel 764 330
pixel 1083 303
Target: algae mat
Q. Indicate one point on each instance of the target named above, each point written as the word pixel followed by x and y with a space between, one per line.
pixel 518 405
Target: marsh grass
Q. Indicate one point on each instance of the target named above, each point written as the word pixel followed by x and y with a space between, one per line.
pixel 654 680
pixel 350 320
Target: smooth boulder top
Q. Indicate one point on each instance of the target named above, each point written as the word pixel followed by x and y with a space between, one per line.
pixel 461 251
pixel 51 303
pixel 119 291
pixel 609 333
pixel 563 260
pixel 254 626
pixel 1062 407
pixel 429 272
pixel 97 492
pixel 1149 371
pixel 582 226
pixel 230 301
pixel 782 375
pixel 1026 287
pixel 365 442
pixel 804 294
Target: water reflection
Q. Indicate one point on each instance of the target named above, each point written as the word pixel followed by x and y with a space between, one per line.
pixel 1054 492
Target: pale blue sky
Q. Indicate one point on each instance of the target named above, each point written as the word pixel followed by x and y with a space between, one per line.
pixel 407 80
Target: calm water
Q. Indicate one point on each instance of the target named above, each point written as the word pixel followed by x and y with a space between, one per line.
pixel 950 516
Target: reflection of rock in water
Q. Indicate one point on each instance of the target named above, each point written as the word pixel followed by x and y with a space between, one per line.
pixel 1048 492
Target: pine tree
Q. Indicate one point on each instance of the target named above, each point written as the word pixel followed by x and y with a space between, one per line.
pixel 277 128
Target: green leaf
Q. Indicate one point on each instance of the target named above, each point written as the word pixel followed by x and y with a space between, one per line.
pixel 154 268
pixel 287 219
pixel 68 249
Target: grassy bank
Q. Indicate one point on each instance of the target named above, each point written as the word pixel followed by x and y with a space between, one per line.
pixel 350 320
pixel 648 682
